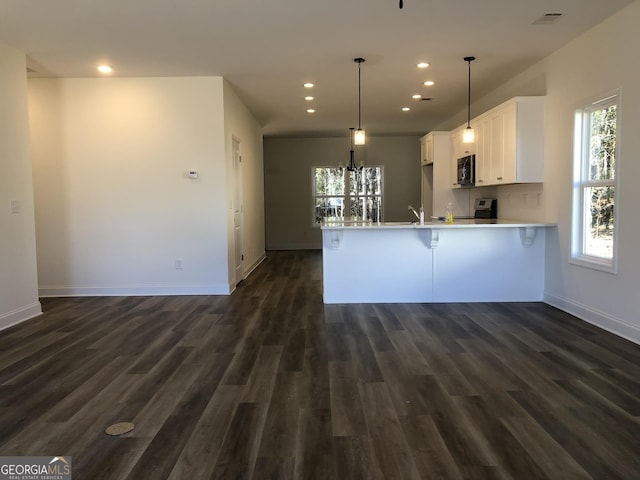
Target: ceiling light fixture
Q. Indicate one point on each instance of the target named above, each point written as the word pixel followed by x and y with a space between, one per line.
pixel 359 135
pixel 429 83
pixel 352 160
pixel 308 85
pixel 468 136
pixel 105 69
pixel 423 65
pixel 309 98
pixel 311 110
pixel 416 96
pixel 405 109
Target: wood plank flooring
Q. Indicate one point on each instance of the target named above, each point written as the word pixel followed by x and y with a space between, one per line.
pixel 270 383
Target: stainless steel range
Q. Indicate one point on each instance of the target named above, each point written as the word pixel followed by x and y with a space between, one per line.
pixel 486 208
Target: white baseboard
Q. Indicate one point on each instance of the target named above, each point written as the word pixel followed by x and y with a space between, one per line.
pixel 607 322
pixel 296 246
pixel 132 291
pixel 255 264
pixel 20 315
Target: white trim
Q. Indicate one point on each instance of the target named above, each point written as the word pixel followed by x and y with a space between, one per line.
pixel 581 181
pixel 297 246
pixel 19 315
pixel 600 319
pixel 606 265
pixel 132 291
pixel 255 264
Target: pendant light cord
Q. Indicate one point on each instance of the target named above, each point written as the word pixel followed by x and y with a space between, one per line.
pixel 469 60
pixel 469 96
pixel 359 103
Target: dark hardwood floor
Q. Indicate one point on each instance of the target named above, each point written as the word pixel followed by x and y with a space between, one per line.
pixel 270 383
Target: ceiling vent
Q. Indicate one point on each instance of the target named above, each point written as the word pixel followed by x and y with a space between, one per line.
pixel 548 18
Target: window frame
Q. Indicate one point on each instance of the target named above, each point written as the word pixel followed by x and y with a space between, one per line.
pixel 347 197
pixel 582 182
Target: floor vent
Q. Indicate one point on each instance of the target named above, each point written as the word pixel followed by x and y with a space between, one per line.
pixel 119 429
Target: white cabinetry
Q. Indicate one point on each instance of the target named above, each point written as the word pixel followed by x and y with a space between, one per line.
pixel 483 152
pixel 426 149
pixel 510 143
pixel 426 165
pixel 444 177
pixel 458 149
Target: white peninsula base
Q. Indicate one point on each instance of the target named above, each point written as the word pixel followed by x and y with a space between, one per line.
pixel 497 261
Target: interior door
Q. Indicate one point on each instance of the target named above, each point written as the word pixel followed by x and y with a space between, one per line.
pixel 237 210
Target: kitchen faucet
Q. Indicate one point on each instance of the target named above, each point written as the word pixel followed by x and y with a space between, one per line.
pixel 414 212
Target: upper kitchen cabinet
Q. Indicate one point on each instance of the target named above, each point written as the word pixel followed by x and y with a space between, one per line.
pixel 483 151
pixel 426 149
pixel 443 177
pixel 459 149
pixel 510 143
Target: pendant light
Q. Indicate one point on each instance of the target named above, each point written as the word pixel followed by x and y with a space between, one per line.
pixel 352 161
pixel 468 136
pixel 359 135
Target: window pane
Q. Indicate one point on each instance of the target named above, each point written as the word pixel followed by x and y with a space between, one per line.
pixel 370 206
pixel 328 207
pixel 329 181
pixel 368 181
pixel 599 221
pixel 602 150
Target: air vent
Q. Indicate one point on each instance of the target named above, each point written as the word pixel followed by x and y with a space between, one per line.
pixel 428 99
pixel 548 18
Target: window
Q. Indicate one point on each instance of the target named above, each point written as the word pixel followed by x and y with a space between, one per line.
pixel 338 193
pixel 596 161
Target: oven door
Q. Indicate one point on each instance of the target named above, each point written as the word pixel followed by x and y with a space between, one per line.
pixel 466 170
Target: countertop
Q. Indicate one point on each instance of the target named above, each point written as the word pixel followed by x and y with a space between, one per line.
pixel 462 223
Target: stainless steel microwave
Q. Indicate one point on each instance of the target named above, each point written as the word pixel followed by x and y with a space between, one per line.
pixel 467 171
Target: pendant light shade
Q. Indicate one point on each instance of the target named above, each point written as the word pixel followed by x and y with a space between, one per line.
pixel 359 136
pixel 468 135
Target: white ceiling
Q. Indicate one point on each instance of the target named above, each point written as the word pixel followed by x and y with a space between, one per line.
pixel 267 49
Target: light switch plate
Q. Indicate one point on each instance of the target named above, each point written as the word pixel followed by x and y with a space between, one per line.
pixel 14 206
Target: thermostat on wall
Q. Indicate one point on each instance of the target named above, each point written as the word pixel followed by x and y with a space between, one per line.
pixel 193 174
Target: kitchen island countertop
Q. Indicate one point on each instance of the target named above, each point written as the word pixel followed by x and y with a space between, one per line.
pixel 462 223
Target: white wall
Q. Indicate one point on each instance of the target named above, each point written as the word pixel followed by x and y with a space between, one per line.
pixel 602 59
pixel 18 277
pixel 114 206
pixel 240 124
pixel 288 163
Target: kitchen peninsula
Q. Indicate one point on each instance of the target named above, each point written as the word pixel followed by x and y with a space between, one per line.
pixel 466 261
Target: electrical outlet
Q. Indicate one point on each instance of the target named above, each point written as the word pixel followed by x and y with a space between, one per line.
pixel 179 264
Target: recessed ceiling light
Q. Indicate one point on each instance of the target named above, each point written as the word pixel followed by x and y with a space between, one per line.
pixel 311 110
pixel 105 69
pixel 308 98
pixel 428 83
pixel 405 109
pixel 423 65
pixel 308 85
pixel 416 96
